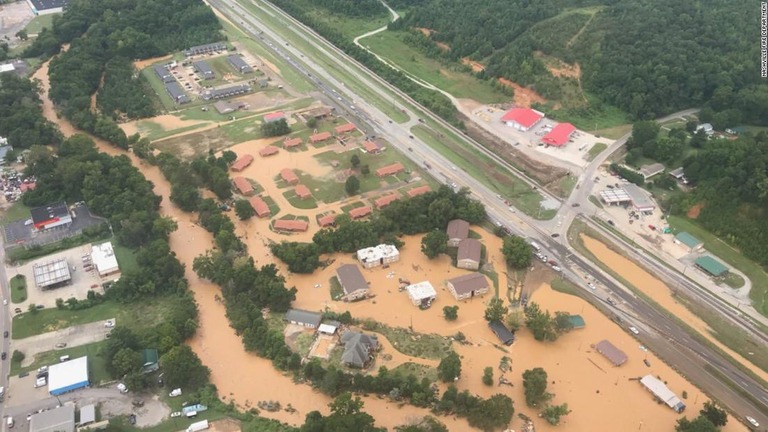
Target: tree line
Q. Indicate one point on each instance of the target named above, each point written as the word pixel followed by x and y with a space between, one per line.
pixel 21 114
pixel 424 213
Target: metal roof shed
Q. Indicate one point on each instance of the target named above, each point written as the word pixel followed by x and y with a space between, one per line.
pixel 87 414
pixel 711 266
pixel 61 419
pixel 689 240
pixel 303 318
pixel 68 376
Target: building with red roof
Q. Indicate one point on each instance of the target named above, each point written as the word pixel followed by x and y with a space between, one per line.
pixel 292 142
pixel 291 225
pixel 560 135
pixel 268 151
pixel 302 191
pixel 360 212
pixel 320 137
pixel 289 176
pixel 327 220
pixel 273 117
pixel 260 206
pixel 27 186
pixel 371 147
pixel 242 163
pixel 522 119
pixel 388 170
pixel 243 186
pixel 349 127
pixel 421 190
pixel 386 200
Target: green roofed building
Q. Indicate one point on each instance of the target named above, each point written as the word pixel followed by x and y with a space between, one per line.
pixel 150 358
pixel 577 321
pixel 691 242
pixel 711 266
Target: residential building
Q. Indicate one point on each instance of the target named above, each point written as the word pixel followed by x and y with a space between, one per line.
pixel 302 192
pixel 502 332
pixel 468 286
pixel 242 163
pixel 268 151
pixel 327 220
pixel 292 142
pixel 378 255
pixel 469 253
pixel 275 116
pixel 389 170
pixel 421 294
pixel 360 212
pixel 345 128
pixel 260 207
pixel 706 127
pixel 303 318
pixel 163 73
pixel 651 170
pixel 239 64
pixel 243 186
pixel 296 225
pixel 609 351
pixel 206 49
pixel 289 176
pixel 386 200
pixel 320 137
pixel 457 230
pixel 662 393
pixel 352 282
pixel 371 147
pixel 421 190
pixel 678 173
pixel 225 92
pixel 359 349
pixel 204 69
pixel 522 119
pixel 176 93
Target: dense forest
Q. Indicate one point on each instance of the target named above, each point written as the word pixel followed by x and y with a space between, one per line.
pixel 103 37
pixel 21 116
pixel 648 57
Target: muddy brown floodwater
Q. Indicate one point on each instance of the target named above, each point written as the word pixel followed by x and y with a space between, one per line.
pixel 602 398
pixel 661 294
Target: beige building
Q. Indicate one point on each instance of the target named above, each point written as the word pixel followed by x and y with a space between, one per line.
pixel 468 256
pixel 457 230
pixel 468 286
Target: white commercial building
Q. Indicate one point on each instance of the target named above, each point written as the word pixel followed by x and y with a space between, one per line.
pixel 662 392
pixel 68 376
pixel 422 294
pixel 104 259
pixel 378 255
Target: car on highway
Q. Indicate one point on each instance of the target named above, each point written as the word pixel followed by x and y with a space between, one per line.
pixel 4 355
pixel 555 235
pixel 591 285
pixel 634 330
pixel 752 421
pixel 5 334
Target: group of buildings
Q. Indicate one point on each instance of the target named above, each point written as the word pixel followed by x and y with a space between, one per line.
pixel 526 119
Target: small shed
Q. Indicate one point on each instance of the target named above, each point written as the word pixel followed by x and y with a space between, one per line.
pixel 329 327
pixel 422 294
pixel 577 321
pixel 689 241
pixel 711 266
pixel 303 318
pixel 502 332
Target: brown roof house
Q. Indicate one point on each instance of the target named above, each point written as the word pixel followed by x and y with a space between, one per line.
pixel 360 212
pixel 260 206
pixel 458 230
pixel 468 286
pixel 352 282
pixel 468 255
pixel 349 127
pixel 386 200
pixel 302 191
pixel 609 351
pixel 268 151
pixel 320 137
pixel 292 142
pixel 289 176
pixel 421 190
pixel 389 170
pixel 242 163
pixel 327 220
pixel 243 186
pixel 291 225
pixel 371 147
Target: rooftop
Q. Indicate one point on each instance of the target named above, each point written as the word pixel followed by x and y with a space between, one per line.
pixel 304 317
pixel 296 225
pixel 614 196
pixel 421 190
pixel 103 257
pixel 239 63
pixel 243 185
pixel 351 278
pixel 711 265
pixel 288 175
pixel 609 351
pixel 268 151
pixel 525 117
pixel 49 212
pixel 260 206
pixel 421 290
pixel 61 419
pixel 640 198
pixel 560 135
pixel 174 89
pixel 371 147
pixel 242 162
pixel 292 142
pixel 661 391
pixel 359 212
pixel 322 136
pixel 349 127
pixel 390 169
pixel 677 172
pixel 51 273
pixel 651 170
pixel 502 332
pixel 386 200
pixel 302 191
pixel 357 348
pixel 62 376
pixel 327 220
pixel 470 249
pixel 41 5
pixel 687 239
pixel 376 253
pixel 468 283
pixel 458 229
pixel 203 67
pixel 275 116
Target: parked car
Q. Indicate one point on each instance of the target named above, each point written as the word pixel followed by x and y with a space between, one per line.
pixel 4 355
pixel 752 421
pixel 555 235
pixel 5 334
pixel 176 414
pixel 634 330
pixel 591 285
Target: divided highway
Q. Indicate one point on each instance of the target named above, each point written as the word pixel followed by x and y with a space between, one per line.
pixel 661 333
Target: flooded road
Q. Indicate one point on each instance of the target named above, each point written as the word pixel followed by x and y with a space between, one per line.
pixel 601 397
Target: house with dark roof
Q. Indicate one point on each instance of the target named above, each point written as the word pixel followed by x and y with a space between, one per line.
pixel 303 318
pixel 150 358
pixel 225 92
pixel 468 286
pixel 352 282
pixel 206 49
pixel 47 7
pixel 469 253
pixel 51 216
pixel 609 351
pixel 502 332
pixel 176 92
pixel 163 73
pixel 458 230
pixel 204 69
pixel 239 64
pixel 359 349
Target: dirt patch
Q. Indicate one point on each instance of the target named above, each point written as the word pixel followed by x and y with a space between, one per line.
pixel 425 31
pixel 693 212
pixel 542 173
pixel 225 425
pixel 524 97
pixel 443 46
pixel 141 64
pixel 565 70
pixel 476 66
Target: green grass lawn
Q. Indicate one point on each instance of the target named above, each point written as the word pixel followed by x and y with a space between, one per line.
pixel 759 278
pixel 733 280
pixel 428 346
pixel 97 365
pixel 38 23
pixel 336 290
pixel 564 286
pixel 418 370
pixel 566 185
pixel 303 343
pixel 18 211
pixel 299 203
pixel 274 209
pixel 18 289
pixel 592 120
pixel 126 258
pixel 596 150
pixel 135 316
pixel 453 79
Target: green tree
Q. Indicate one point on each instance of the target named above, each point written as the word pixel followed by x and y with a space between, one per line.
pixel 451 313
pixel 492 414
pixel 22 35
pixel 495 310
pixel 488 376
pixel 126 361
pixel 644 132
pixel 563 322
pixel 535 385
pixel 434 243
pixel 425 424
pixel 365 170
pixel 540 323
pixel 33 309
pixel 515 320
pixel 517 252
pixel 352 185
pixel 244 210
pixel 714 414
pixel 17 356
pixel 699 424
pixel 354 160
pixel 182 368
pixel 275 128
pixel 449 368
pixel 312 123
pixel 552 413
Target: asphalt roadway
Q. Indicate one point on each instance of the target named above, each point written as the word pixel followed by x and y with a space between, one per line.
pixel 661 334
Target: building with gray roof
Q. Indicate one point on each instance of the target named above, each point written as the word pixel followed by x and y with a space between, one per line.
pixel 303 318
pixel 176 92
pixel 469 253
pixel 609 351
pixel 352 282
pixel 359 349
pixel 204 69
pixel 239 64
pixel 206 49
pixel 225 92
pixel 61 419
pixel 641 201
pixel 457 230
pixel 163 73
pixel 468 286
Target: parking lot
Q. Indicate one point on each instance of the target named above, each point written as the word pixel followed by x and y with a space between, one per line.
pixel 82 281
pixel 22 233
pixel 574 154
pixel 65 338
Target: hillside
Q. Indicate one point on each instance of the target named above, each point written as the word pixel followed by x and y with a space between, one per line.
pixel 647 57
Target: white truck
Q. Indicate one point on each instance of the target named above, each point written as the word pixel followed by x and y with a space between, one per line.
pixel 535 246
pixel 175 392
pixel 198 426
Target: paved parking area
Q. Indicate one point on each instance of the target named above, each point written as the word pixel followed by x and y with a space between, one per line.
pixel 71 336
pixel 14 17
pixel 82 281
pixel 21 232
